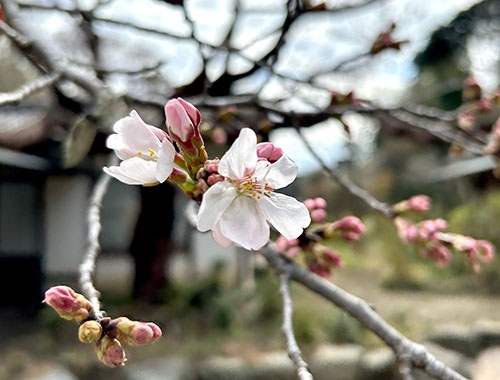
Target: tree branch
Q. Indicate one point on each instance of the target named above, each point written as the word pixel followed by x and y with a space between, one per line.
pixel 87 267
pixel 287 329
pixel 29 88
pixel 359 309
pixel 346 182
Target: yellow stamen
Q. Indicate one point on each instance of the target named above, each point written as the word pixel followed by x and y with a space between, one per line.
pixel 139 153
pixel 151 152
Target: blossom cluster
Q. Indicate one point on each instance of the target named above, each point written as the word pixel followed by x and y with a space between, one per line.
pixel 310 246
pixel 431 239
pixel 236 192
pixel 108 335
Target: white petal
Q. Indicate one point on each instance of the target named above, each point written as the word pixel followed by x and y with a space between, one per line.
pixel 241 158
pixel 219 238
pixel 165 161
pixel 286 214
pixel 115 171
pixel 138 171
pixel 282 173
pixel 244 224
pixel 215 201
pixel 116 143
pixel 137 136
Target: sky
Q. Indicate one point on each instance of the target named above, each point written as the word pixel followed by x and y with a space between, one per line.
pixel 314 43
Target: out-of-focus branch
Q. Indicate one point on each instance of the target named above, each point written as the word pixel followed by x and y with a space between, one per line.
pixel 287 329
pixel 359 309
pixel 39 57
pixel 29 88
pixel 405 369
pixel 346 182
pixel 87 267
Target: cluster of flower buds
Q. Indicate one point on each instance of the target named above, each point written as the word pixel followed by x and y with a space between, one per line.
pixel 426 237
pixel 309 247
pixel 108 335
pixel 385 41
pixel 431 239
pixel 317 209
pixel 475 102
pixel 476 251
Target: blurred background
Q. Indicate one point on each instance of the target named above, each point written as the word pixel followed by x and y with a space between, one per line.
pixel 380 88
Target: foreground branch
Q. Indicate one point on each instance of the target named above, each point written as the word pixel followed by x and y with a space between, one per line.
pixel 404 349
pixel 87 267
pixel 287 329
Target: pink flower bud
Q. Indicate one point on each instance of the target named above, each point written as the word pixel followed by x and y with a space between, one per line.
pixel 440 224
pixel 407 231
pixel 212 166
pixel 419 203
pixel 214 178
pixel 90 332
pixel 183 119
pixel 269 152
pixel 136 333
pixel 292 252
pixel 110 352
pixel 320 203
pixel 282 243
pixel 439 254
pixel 332 258
pixel 486 250
pixel 319 269
pixel 318 215
pixel 157 333
pixel 350 223
pixel 68 304
pixel 140 334
pixel 310 204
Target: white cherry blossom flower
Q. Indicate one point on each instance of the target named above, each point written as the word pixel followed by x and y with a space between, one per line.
pixel 147 152
pixel 237 210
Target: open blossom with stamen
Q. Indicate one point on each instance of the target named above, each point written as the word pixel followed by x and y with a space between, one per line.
pixel 237 209
pixel 147 152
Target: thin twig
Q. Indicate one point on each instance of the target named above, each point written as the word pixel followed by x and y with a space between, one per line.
pixel 28 89
pixel 87 267
pixel 359 309
pixel 346 182
pixel 287 329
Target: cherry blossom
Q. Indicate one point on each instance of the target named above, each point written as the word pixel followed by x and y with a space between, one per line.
pixel 237 209
pixel 147 152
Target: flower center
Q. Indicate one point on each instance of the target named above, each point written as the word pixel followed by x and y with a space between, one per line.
pixel 250 186
pixel 150 155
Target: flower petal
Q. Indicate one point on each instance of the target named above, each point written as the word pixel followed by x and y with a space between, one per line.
pixel 115 142
pixel 215 202
pixel 116 172
pixel 134 171
pixel 137 135
pixel 286 214
pixel 241 158
pixel 282 173
pixel 165 161
pixel 219 238
pixel 244 224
